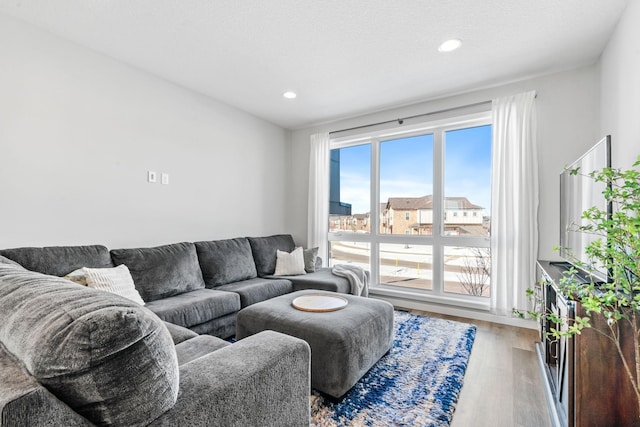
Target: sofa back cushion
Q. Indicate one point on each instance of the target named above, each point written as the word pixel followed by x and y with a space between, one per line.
pixel 108 358
pixel 162 271
pixel 59 260
pixel 264 251
pixel 225 261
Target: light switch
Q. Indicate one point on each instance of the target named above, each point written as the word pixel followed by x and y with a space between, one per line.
pixel 165 178
pixel 151 176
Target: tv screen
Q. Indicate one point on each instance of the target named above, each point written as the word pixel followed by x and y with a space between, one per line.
pixel 579 192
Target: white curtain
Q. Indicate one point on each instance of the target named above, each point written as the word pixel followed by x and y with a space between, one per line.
pixel 514 202
pixel 318 206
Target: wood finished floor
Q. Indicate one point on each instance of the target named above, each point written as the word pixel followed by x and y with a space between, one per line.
pixel 502 385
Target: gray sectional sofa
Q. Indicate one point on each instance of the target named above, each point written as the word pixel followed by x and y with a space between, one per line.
pixel 200 286
pixel 76 356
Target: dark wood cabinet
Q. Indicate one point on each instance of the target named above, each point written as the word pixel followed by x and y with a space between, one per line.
pixel 585 380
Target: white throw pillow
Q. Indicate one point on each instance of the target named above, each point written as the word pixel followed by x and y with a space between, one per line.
pixel 290 264
pixel 116 280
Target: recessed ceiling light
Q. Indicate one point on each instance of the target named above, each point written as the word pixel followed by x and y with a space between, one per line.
pixel 289 95
pixel 450 45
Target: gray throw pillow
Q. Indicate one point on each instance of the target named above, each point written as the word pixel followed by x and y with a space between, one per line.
pixel 264 251
pixel 108 358
pixel 162 271
pixel 310 257
pixel 225 261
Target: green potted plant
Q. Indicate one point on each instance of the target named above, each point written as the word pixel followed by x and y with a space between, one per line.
pixel 617 249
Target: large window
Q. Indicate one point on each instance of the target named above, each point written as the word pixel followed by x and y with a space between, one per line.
pixel 349 201
pixel 413 207
pixel 406 178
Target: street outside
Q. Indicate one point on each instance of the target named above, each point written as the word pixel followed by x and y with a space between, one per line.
pixel 410 266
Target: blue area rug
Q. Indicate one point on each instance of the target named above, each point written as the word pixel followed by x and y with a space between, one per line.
pixel 416 384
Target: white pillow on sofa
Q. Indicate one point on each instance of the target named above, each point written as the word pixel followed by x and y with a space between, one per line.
pixel 116 280
pixel 290 264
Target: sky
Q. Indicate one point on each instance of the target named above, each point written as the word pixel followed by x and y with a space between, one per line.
pixel 406 168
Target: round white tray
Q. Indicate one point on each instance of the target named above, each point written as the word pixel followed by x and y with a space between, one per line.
pixel 319 303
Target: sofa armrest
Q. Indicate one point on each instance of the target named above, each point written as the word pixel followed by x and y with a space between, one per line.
pixel 26 403
pixel 258 381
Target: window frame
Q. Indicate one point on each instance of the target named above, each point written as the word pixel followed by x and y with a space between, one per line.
pixel 438 240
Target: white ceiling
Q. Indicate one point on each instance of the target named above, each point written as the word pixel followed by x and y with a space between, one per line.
pixel 342 57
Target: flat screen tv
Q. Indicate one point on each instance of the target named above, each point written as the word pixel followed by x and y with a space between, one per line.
pixel 579 192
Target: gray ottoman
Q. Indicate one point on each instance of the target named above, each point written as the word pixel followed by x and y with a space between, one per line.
pixel 345 343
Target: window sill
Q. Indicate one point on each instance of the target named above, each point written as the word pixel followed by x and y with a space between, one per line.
pixel 407 299
pixel 463 301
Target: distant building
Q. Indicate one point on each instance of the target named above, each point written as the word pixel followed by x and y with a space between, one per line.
pixel 362 222
pixel 414 216
pixel 383 218
pixel 355 223
pixel 340 222
pixel 336 207
pixel 462 217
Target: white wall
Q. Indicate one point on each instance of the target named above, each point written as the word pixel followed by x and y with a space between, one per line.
pixel 567 107
pixel 78 132
pixel 620 88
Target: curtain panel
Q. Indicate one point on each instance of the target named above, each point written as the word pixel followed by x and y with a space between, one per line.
pixel 318 203
pixel 514 202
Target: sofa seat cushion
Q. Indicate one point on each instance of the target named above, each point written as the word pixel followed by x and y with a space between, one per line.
pixel 258 289
pixel 223 327
pixel 225 261
pixel 197 347
pixel 195 307
pixel 110 359
pixel 264 251
pixel 179 333
pixel 322 279
pixel 60 260
pixel 162 271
